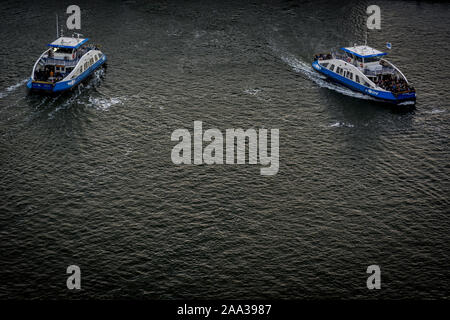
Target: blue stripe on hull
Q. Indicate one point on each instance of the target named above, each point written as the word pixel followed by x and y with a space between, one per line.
pixel 66 85
pixel 383 95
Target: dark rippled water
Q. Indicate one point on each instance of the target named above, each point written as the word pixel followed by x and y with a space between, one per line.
pixel 87 177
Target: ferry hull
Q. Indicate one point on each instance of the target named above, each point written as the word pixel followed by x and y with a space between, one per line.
pixel 61 86
pixel 378 94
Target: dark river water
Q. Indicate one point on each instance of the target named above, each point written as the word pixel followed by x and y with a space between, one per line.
pixel 87 176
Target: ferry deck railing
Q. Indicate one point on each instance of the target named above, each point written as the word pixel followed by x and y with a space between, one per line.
pixel 68 63
pixel 366 71
pixel 376 72
pixel 60 62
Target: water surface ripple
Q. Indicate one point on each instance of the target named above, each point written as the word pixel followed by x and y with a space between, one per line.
pixel 87 178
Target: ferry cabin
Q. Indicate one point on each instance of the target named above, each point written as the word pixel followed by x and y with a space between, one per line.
pixel 59 60
pixel 67 62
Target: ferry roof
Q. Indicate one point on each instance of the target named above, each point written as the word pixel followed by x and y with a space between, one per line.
pixel 69 43
pixel 364 51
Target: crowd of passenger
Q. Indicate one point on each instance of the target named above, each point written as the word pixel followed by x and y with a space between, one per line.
pixel 47 75
pixel 393 84
pixel 323 56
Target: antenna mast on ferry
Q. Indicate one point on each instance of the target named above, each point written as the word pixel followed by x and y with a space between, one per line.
pixel 57 32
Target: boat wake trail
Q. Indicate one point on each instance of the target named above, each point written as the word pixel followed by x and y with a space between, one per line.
pixel 307 70
pixel 81 95
pixel 12 88
pixel 87 95
pixel 104 104
pixel 406 103
pixel 340 125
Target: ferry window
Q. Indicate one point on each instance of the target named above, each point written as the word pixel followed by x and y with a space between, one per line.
pixel 325 65
pixel 372 59
pixel 357 78
pixel 350 75
pixel 345 73
pixel 64 50
pixel 332 67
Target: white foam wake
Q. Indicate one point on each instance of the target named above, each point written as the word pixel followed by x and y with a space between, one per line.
pixel 252 92
pixel 12 88
pixel 104 103
pixel 341 124
pixel 257 93
pixel 307 70
pixel 435 111
pixel 406 103
pixel 78 95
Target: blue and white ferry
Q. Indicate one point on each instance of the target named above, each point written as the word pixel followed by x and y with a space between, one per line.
pixel 362 68
pixel 67 62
